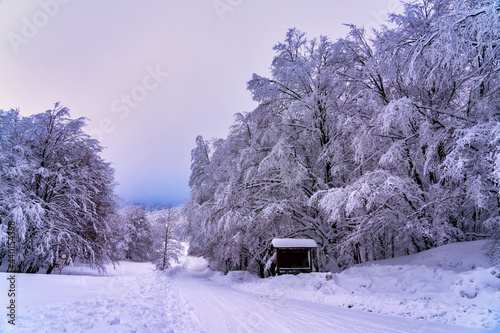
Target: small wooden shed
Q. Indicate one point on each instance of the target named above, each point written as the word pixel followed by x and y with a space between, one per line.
pixel 294 255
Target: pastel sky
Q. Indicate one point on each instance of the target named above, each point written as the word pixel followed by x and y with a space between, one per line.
pixel 152 75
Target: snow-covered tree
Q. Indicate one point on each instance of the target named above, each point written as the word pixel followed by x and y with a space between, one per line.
pixel 55 189
pixel 372 148
pixel 166 247
pixel 432 129
pixel 137 234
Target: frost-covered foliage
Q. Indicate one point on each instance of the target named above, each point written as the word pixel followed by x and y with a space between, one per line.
pixel 137 235
pixel 166 246
pixel 140 235
pixel 374 149
pixel 56 192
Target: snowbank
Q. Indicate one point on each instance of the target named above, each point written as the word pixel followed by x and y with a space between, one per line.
pixel 120 268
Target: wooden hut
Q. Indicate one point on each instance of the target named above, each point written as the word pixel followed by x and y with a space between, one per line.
pixel 294 255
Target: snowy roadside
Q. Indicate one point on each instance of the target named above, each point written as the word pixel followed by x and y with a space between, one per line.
pixel 453 284
pixel 132 298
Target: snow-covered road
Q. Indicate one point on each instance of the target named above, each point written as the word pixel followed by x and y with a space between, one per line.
pixel 220 308
pixel 440 290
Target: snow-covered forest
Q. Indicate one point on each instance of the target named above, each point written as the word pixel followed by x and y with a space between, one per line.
pixel 57 195
pixel 147 236
pixel 374 148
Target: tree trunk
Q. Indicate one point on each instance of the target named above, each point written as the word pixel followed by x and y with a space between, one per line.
pixel 165 251
pixel 51 267
pixel 32 269
pixel 262 267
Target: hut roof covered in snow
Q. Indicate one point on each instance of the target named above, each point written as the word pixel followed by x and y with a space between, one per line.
pixel 294 243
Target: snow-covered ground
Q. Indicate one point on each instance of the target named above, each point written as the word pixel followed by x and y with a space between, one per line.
pixel 140 300
pixel 454 284
pixel 448 289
